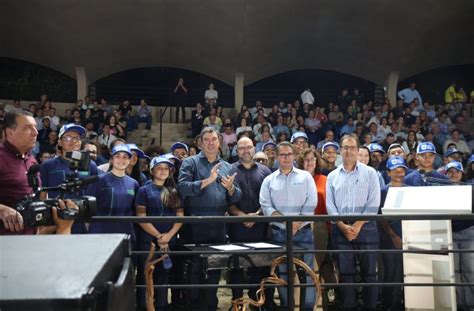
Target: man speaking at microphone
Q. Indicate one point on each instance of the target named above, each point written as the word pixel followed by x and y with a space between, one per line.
pixel 15 161
pixel 425 158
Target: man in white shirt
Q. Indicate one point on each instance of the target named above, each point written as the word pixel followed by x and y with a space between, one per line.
pixel 307 97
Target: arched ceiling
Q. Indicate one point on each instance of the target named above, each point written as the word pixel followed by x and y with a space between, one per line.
pixel 368 38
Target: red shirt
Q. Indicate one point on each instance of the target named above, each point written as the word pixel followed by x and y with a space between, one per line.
pixel 13 180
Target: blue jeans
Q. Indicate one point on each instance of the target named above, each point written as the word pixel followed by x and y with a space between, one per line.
pixel 146 120
pixel 304 239
pixel 368 238
pixel 464 266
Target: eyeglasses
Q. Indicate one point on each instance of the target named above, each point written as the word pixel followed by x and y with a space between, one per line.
pixel 349 148
pixel 310 160
pixel 285 155
pixel 245 148
pixel 71 138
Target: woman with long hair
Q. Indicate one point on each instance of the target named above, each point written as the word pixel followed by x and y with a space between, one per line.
pixel 115 193
pixel 158 198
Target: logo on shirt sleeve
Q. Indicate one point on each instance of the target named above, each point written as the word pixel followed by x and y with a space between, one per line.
pixel 131 191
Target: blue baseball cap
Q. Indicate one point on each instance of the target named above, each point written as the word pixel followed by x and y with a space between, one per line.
pixel 170 156
pixel 160 159
pixel 451 151
pixel 395 162
pixel 297 135
pixel 330 144
pixel 269 144
pixel 425 147
pixel 71 127
pixel 135 148
pixel 178 145
pixel 454 164
pixel 471 159
pixel 376 148
pixel 121 148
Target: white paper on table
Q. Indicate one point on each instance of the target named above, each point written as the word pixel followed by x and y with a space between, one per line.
pixel 262 245
pixel 229 247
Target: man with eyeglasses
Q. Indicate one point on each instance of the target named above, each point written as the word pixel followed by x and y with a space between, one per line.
pixel 290 191
pixel 353 188
pixel 250 176
pixel 55 171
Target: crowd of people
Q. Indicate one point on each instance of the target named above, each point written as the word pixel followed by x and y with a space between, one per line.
pixel 296 158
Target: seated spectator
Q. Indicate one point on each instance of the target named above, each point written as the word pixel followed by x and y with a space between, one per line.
pixel 144 114
pixel 254 111
pixel 312 123
pixel 320 115
pixel 54 118
pixel 461 144
pixel 273 115
pixel 44 156
pixel 349 127
pixel 16 106
pixel 281 127
pixel 411 142
pixel 329 152
pixel 44 132
pixel 106 138
pixel 261 122
pixel 282 137
pixel 270 150
pixel 50 144
pixel 214 122
pixel 328 137
pixel 229 137
pixel 76 117
pixel 243 127
pixel 450 94
pixel 265 137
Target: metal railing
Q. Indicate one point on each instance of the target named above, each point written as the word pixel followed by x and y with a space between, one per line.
pixel 289 250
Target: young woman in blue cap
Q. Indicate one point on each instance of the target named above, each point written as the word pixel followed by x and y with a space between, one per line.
pixel 115 193
pixel 158 198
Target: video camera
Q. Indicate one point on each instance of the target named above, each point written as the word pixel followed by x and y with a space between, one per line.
pixel 37 212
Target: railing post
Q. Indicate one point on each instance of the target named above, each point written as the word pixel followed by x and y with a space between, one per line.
pixel 289 264
pixel 161 125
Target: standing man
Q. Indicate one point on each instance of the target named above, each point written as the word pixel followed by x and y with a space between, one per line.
pixel 250 176
pixel 207 184
pixel 409 94
pixel 354 189
pixel 290 191
pixel 180 93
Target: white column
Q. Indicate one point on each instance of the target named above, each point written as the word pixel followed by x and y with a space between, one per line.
pixel 82 83
pixel 391 84
pixel 239 90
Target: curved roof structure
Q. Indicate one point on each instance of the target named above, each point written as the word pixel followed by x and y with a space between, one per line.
pixel 260 38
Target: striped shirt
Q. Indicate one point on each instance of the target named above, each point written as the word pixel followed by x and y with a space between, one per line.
pixel 292 194
pixel 356 192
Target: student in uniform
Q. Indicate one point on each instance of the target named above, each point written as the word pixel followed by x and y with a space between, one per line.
pixel 115 193
pixel 158 198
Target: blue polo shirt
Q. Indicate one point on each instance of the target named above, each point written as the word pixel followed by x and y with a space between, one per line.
pixel 416 179
pixel 149 196
pixel 115 197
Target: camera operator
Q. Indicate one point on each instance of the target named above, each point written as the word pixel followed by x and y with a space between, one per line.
pixel 54 171
pixel 15 160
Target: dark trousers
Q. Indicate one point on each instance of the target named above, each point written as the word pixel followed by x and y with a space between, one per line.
pixel 205 234
pixel 392 273
pixel 368 238
pixel 183 113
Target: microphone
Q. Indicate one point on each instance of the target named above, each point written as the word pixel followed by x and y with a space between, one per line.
pixel 79 182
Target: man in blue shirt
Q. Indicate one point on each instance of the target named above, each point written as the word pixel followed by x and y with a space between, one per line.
pixel 207 184
pixel 291 191
pixel 353 189
pixel 409 94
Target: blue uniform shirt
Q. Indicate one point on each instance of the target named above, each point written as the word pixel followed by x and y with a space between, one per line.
pixel 115 197
pixel 149 196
